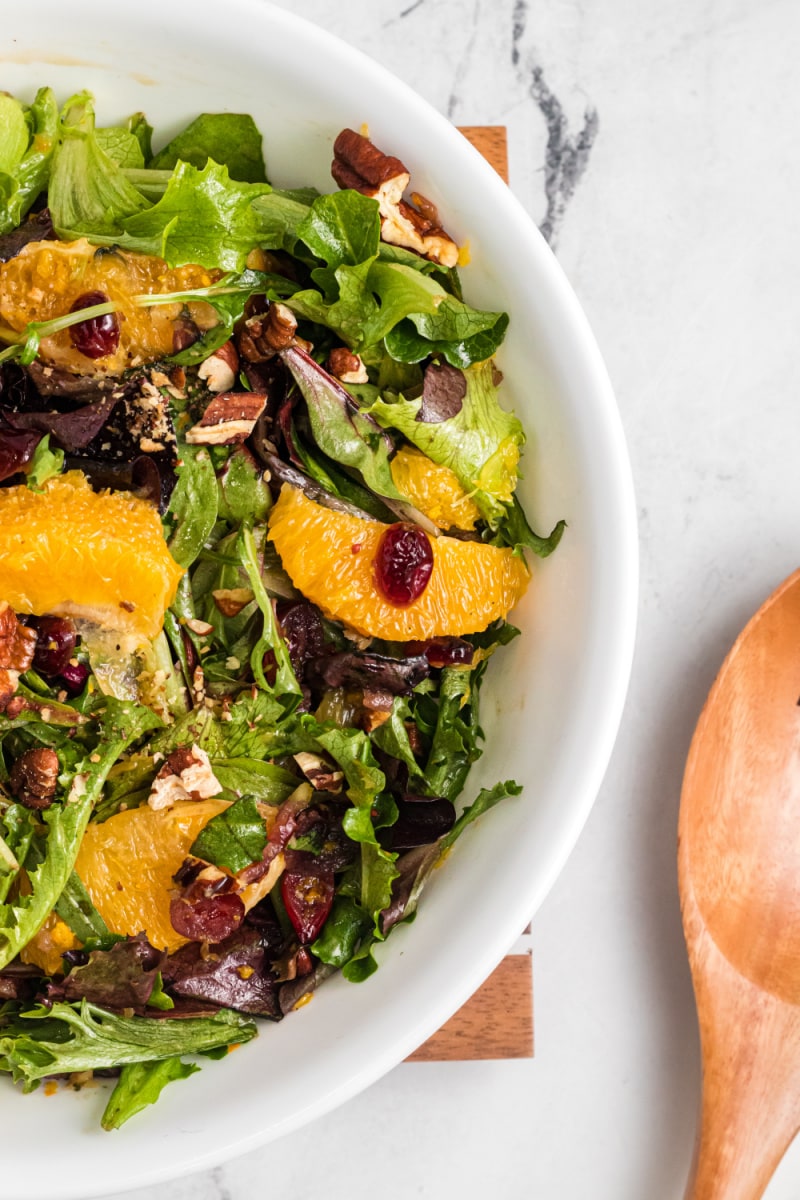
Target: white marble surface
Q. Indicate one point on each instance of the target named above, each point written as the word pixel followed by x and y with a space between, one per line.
pixel 682 241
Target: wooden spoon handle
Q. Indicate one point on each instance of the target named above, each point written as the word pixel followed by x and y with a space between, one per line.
pixel 751 1076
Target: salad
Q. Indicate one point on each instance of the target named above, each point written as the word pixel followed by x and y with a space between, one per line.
pixel 259 539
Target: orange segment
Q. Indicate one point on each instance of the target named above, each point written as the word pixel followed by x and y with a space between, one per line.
pixel 45 278
pixel 330 557
pixel 127 863
pixel 74 552
pixel 434 489
pixel 45 949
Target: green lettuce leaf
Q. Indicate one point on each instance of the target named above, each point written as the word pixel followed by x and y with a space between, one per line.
pixel 486 799
pixel 203 217
pixel 286 684
pixel 17 827
pixel 515 531
pixel 121 723
pixel 343 227
pixel 346 925
pixel 139 1085
pixel 192 510
pixel 231 139
pixel 66 1038
pixel 121 145
pixel 14 133
pixel 44 465
pixel 454 747
pixel 234 838
pixel 88 193
pixel 480 444
pixel 461 334
pixel 372 808
pixel 75 907
pixel 23 178
pixel 261 780
pixel 280 216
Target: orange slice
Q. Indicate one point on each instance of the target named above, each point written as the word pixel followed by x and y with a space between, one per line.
pixel 127 864
pixel 434 489
pixel 330 558
pixel 46 278
pixel 71 551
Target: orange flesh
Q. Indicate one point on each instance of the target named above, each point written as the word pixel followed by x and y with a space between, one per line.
pixel 330 558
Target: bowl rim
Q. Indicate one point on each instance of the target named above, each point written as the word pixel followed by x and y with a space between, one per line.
pixel 621 638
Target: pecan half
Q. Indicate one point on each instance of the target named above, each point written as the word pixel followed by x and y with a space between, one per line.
pixel 230 418
pixel 219 369
pixel 17 642
pixel 322 775
pixel 265 333
pixel 360 165
pixel 231 601
pixel 346 366
pixel 34 776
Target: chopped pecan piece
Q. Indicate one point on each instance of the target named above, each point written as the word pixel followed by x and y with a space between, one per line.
pixel 265 333
pixel 34 776
pixel 219 369
pixel 8 686
pixel 360 165
pixel 346 366
pixel 231 601
pixel 17 642
pixel 187 774
pixel 322 775
pixel 230 418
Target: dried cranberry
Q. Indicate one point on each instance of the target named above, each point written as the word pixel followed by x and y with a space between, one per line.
pixel 301 626
pixel 307 896
pixel 97 336
pixel 403 563
pixel 207 919
pixel 74 677
pixel 56 644
pixel 443 651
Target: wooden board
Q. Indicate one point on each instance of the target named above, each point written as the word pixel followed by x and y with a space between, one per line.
pixel 497 1022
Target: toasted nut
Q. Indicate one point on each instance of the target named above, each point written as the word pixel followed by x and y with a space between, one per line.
pixel 347 366
pixel 230 418
pixel 17 642
pixel 265 333
pixel 219 369
pixel 187 774
pixel 9 681
pixel 322 776
pixel 231 601
pixel 34 776
pixel 360 165
pixel 201 628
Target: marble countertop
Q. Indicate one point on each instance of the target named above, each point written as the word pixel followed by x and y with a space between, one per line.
pixel 651 143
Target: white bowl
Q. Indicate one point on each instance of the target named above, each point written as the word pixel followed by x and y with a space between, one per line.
pixel 552 700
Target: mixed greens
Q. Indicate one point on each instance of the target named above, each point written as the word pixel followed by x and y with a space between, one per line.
pixel 335 760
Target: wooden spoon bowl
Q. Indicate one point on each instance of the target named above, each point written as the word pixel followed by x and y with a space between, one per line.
pixel 739 881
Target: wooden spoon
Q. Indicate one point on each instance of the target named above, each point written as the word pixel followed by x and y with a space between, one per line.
pixel 739 878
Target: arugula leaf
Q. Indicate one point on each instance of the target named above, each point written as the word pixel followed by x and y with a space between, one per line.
pixel 234 838
pixel 340 429
pixel 203 217
pixel 88 193
pixel 66 1038
pixel 461 334
pixel 285 680
pixel 243 492
pixel 22 180
pixel 486 799
pixel 44 465
pixel 75 907
pixel 455 740
pixel 515 531
pixel 480 444
pixel 121 723
pixel 139 1085
pixel 17 827
pixel 231 139
pixel 193 505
